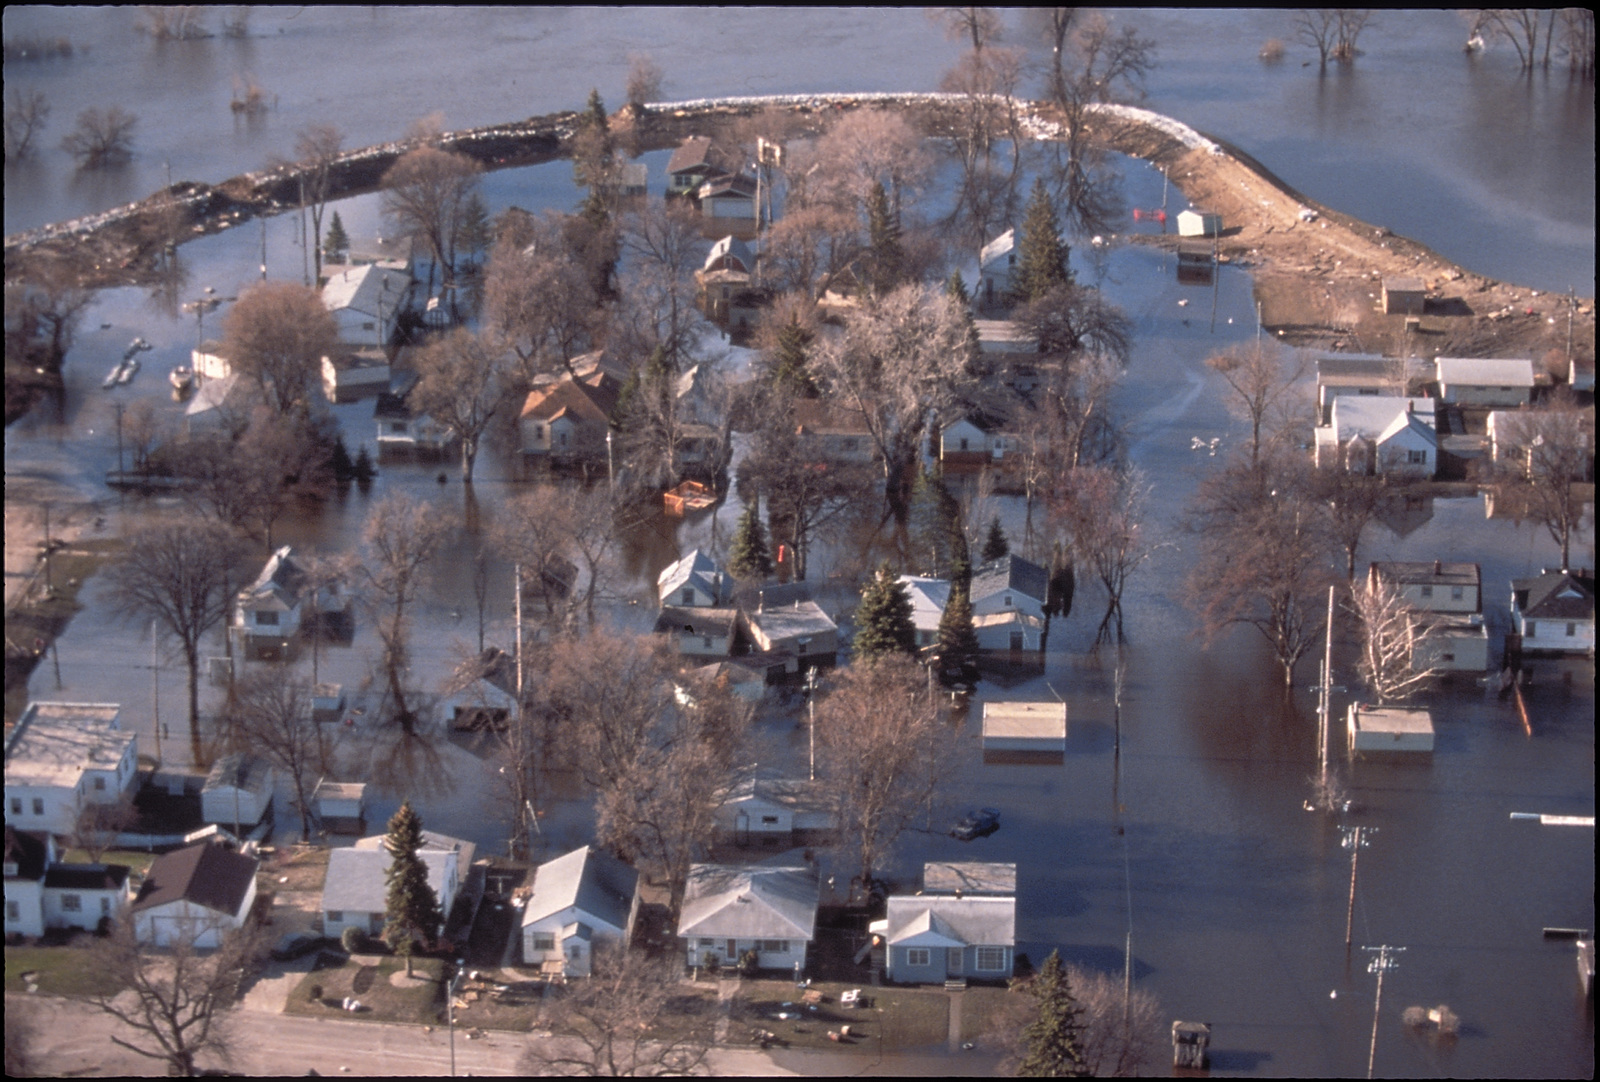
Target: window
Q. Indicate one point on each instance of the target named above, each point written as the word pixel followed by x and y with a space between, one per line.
pixel 13 911
pixel 1417 458
pixel 369 326
pixel 38 805
pixel 544 942
pixel 105 907
pixel 992 959
pixel 708 944
pixel 1458 593
pixel 397 428
pixel 963 444
pixel 266 619
pixel 772 946
pixel 71 903
pixel 688 595
pixel 1427 591
pixel 335 916
pixel 16 805
pixel 1008 601
pixel 1530 630
pixel 705 641
pixel 918 956
pixel 100 784
pixel 1572 629
pixel 769 820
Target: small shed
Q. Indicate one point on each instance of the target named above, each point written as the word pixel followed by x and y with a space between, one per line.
pixel 969 877
pixel 1033 730
pixel 1190 1044
pixel 341 805
pixel 1390 729
pixel 1199 223
pixel 1403 296
pixel 238 790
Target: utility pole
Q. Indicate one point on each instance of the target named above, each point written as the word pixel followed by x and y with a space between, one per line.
pixel 1355 840
pixel 1380 965
pixel 1324 721
pixel 155 691
pixel 811 707
pixel 263 248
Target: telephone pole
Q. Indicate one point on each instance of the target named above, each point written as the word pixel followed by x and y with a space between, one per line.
pixel 1380 965
pixel 1355 840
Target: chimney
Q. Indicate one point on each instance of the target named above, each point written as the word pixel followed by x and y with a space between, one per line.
pixel 1438 567
pixel 1411 405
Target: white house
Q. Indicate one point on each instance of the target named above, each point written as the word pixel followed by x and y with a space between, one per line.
pixel 997 262
pixel 367 301
pixel 579 900
pixel 401 425
pixel 355 893
pixel 1382 434
pixel 729 910
pixel 27 855
pixel 928 600
pixel 933 938
pixel 1370 374
pixel 61 757
pixel 1554 613
pixel 698 632
pixel 1484 381
pixel 210 361
pixel 729 197
pixel 1389 728
pixel 270 612
pixel 198 894
pixel 355 373
pixel 238 790
pixel 781 810
pixel 973 441
pixel 82 895
pixel 1008 599
pixel 693 581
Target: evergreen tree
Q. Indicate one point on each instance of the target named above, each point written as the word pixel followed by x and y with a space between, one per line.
pixel 883 620
pixel 412 908
pixel 883 237
pixel 937 539
pixel 335 242
pixel 995 546
pixel 749 557
pixel 956 289
pixel 340 464
pixel 790 356
pixel 476 232
pixel 365 471
pixel 1041 253
pixel 594 113
pixel 958 639
pixel 1054 1039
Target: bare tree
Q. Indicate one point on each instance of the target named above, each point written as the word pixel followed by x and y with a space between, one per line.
pixel 26 113
pixel 179 574
pixel 1071 320
pixel 663 246
pixel 1119 1029
pixel 276 335
pixel 1101 511
pixel 250 478
pixel 1264 559
pixel 317 147
pixel 539 293
pixel 174 1000
pixel 426 194
pixel 1397 643
pixel 403 536
pixel 865 147
pixel 625 1021
pixel 1520 26
pixel 1351 22
pixel 45 302
pixel 979 25
pixel 536 532
pixel 1092 63
pixel 101 138
pixel 644 79
pixel 899 361
pixel 1576 35
pixel 1353 500
pixel 986 118
pixel 270 714
pixel 1260 374
pixel 883 746
pixel 463 384
pixel 1318 28
pixel 98 825
pixel 1549 454
pixel 810 247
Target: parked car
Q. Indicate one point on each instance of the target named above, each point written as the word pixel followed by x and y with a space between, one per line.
pixel 978 824
pixel 295 945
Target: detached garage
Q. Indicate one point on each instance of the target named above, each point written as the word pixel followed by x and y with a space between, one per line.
pixel 198 894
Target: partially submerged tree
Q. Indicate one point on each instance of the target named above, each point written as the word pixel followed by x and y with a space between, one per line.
pixel 317 147
pixel 276 335
pixel 540 290
pixel 1548 455
pixel 270 714
pixel 174 1000
pixel 463 384
pixel 1054 1038
pixel 1260 375
pixel 883 747
pixel 1397 644
pixel 411 908
pixel 1101 511
pixel 181 575
pixel 624 1021
pixel 403 536
pixel 25 116
pixel 45 302
pixel 101 137
pixel 426 194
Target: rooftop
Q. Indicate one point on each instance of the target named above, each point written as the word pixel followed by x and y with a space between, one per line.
pixel 251 773
pixel 54 743
pixel 1010 573
pixel 945 920
pixel 205 874
pixel 1508 372
pixel 1372 415
pixel 1427 572
pixel 969 877
pixel 1025 720
pixel 749 902
pixel 597 883
pixel 1393 719
pixel 791 621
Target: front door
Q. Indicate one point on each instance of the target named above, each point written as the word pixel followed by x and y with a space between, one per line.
pixel 952 961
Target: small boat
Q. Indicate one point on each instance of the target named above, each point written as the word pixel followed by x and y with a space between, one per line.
pixel 181 377
pixel 129 369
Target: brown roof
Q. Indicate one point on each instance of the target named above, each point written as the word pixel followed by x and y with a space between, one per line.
pixel 204 874
pixel 818 416
pixel 693 153
pixel 592 398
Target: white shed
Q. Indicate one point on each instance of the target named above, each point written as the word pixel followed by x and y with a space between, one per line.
pixel 1390 729
pixel 1199 223
pixel 238 790
pixel 1025 727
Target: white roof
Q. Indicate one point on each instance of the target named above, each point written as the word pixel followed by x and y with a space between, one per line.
pixel 54 743
pixel 948 921
pixel 1001 245
pixel 212 394
pixel 1042 719
pixel 367 288
pixel 730 246
pixel 1393 719
pixel 928 600
pixel 599 885
pixel 1371 416
pixel 782 622
pixel 1485 371
pixel 750 902
pixel 694 569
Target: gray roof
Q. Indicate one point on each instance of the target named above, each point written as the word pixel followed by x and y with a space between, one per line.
pixel 1507 372
pixel 281 580
pixel 1010 573
pixel 697 620
pixel 791 621
pixel 696 569
pixel 1555 595
pixel 979 921
pixel 1427 572
pixel 796 794
pixel 54 743
pixel 1372 415
pixel 1345 366
pixel 749 902
pixel 596 883
pixel 355 881
pixel 251 773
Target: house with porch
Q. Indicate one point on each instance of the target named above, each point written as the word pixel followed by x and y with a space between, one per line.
pixel 355 892
pixel 694 162
pixel 368 300
pixel 776 811
pixel 730 910
pixel 63 757
pixel 1382 434
pixel 197 894
pixel 270 612
pixel 568 420
pixel 579 901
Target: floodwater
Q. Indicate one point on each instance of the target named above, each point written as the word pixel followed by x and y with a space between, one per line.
pixel 1492 169
pixel 1194 839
